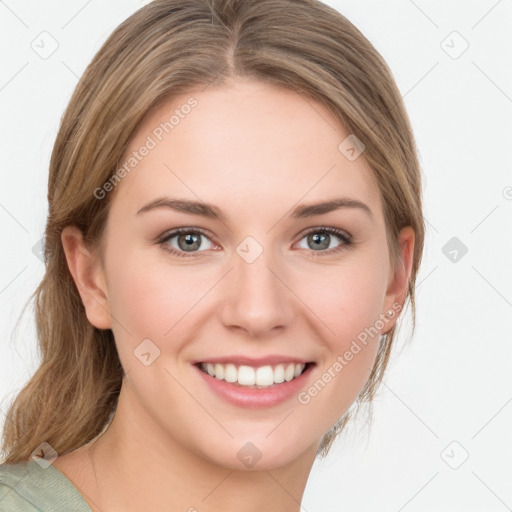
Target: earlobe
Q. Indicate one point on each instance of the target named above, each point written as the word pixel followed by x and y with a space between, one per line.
pixel 88 275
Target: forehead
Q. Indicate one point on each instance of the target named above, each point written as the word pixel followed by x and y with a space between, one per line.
pixel 242 145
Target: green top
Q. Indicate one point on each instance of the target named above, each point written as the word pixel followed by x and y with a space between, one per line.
pixel 27 487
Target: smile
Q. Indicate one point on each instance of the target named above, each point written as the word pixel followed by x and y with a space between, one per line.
pixel 254 377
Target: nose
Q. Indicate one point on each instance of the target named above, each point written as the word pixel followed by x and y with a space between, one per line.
pixel 256 297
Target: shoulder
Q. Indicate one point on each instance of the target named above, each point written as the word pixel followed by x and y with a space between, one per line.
pixel 26 486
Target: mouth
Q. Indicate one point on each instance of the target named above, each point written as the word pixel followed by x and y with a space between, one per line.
pixel 262 377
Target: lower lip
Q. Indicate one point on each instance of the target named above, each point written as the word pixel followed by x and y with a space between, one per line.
pixel 253 398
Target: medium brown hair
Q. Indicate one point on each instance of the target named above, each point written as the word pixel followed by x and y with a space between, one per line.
pixel 166 48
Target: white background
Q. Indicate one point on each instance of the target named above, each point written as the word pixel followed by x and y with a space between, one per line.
pixel 451 381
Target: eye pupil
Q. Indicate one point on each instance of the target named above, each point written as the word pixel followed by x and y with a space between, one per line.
pixel 191 241
pixel 319 240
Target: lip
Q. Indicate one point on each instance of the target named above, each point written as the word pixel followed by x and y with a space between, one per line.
pixel 256 362
pixel 252 398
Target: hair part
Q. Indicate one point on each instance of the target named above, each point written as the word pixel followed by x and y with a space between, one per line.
pixel 168 48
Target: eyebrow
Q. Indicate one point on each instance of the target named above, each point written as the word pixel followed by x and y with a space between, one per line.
pixel 213 212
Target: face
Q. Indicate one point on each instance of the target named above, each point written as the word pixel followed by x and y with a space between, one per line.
pixel 256 279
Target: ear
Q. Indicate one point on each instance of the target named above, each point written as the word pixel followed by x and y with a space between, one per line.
pixel 399 279
pixel 88 274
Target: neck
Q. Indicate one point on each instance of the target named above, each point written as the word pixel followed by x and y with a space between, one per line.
pixel 138 466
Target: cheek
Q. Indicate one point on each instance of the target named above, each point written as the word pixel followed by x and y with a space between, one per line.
pixel 350 307
pixel 347 298
pixel 155 300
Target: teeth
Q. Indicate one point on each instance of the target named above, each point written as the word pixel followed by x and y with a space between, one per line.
pixel 219 371
pixel 261 377
pixel 230 373
pixel 265 376
pixel 279 373
pixel 246 376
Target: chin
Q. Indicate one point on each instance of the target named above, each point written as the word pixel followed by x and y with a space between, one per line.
pixel 258 455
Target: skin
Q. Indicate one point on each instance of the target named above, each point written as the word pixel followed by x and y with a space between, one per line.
pixel 255 151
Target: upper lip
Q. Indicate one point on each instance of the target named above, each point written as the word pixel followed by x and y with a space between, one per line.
pixel 254 361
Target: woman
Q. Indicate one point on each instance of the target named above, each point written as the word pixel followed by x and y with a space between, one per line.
pixel 235 227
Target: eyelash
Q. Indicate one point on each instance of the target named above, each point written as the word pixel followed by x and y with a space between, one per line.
pixel 344 237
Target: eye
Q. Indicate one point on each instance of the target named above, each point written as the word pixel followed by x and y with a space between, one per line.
pixel 188 240
pixel 320 239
